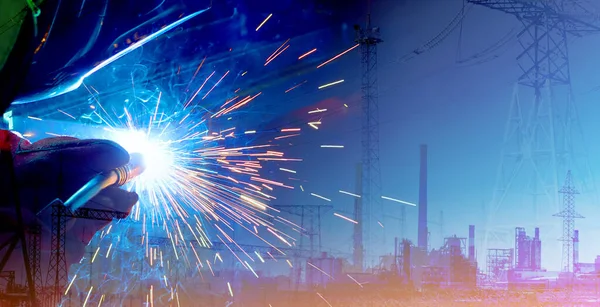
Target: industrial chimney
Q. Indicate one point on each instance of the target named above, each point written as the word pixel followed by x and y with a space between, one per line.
pixel 422 224
pixel 537 250
pixel 576 251
pixel 406 264
pixel 472 243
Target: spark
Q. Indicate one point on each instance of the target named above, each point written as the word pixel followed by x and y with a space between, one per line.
pixel 65 113
pixel 319 196
pixel 251 269
pixel 317 111
pixel 199 89
pixel 210 268
pixel 156 109
pixel 287 170
pixel 337 56
pixel 399 201
pixel 318 269
pixel 34 118
pixel 264 21
pixel 255 203
pixel 230 291
pixel 70 284
pixel 277 52
pixel 286 136
pixel 290 130
pixel 276 55
pixel 351 194
pixel 345 218
pixel 195 73
pixel 380 224
pixel 259 257
pixel 330 84
pixel 101 300
pixel 250 132
pixel 177 296
pixel 321 296
pixel 354 280
pixel 108 251
pixel 332 146
pixel 314 125
pixel 88 296
pixel 295 86
pixel 212 88
pixel 307 54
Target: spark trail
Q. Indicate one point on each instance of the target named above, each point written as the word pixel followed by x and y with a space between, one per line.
pixel 206 180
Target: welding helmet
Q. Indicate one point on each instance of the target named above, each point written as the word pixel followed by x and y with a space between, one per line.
pixel 48 47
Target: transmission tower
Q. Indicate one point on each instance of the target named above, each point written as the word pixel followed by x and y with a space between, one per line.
pixel 16 237
pixel 358 252
pixel 539 147
pixel 35 247
pixel 369 38
pixel 310 226
pixel 58 269
pixel 568 215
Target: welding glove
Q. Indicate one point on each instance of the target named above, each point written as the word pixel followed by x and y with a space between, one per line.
pixel 56 168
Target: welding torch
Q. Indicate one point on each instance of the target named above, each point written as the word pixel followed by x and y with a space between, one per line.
pixel 116 177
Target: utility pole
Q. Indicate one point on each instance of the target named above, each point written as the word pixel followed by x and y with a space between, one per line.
pixel 540 145
pixel 368 38
pixel 568 215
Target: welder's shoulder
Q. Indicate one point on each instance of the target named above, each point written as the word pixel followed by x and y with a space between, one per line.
pixel 4 140
pixel 9 140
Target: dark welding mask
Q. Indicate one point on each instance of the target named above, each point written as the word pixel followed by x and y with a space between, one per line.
pixel 48 47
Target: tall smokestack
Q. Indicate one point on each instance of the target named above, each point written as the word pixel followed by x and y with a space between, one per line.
pixel 537 251
pixel 472 243
pixel 576 251
pixel 422 231
pixel 406 264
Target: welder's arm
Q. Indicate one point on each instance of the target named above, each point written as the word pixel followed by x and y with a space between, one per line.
pixel 36 174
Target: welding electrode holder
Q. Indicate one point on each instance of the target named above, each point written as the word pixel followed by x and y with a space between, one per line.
pixel 116 177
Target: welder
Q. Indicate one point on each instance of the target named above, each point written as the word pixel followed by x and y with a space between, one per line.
pixel 48 48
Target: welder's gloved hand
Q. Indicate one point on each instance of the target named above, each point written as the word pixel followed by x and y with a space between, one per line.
pixel 56 168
